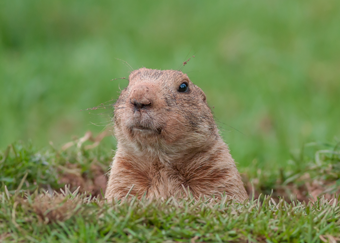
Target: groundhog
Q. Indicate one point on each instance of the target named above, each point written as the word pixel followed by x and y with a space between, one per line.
pixel 168 142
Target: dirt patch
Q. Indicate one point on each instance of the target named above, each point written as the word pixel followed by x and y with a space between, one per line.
pixel 92 182
pixel 53 209
pixel 303 189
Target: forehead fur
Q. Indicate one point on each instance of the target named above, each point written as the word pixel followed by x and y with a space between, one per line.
pixel 154 74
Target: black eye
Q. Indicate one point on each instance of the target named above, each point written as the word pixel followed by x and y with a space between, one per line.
pixel 183 87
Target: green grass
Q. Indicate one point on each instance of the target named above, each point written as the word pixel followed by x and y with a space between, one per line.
pixel 36 207
pixel 270 69
pixel 76 219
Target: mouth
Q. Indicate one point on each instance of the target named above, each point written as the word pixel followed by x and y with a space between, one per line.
pixel 143 129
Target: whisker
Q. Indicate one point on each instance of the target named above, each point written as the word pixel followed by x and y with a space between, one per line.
pixel 132 69
pixel 217 121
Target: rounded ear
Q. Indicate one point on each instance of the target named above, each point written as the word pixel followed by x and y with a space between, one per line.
pixel 204 96
pixel 201 93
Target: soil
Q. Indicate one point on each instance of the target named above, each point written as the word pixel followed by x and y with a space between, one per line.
pixel 95 183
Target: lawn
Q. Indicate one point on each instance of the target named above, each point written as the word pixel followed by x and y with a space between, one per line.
pixel 55 195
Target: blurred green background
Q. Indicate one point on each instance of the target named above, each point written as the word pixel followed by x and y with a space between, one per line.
pixel 270 68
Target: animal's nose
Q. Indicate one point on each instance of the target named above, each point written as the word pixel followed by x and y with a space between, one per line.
pixel 140 105
pixel 141 97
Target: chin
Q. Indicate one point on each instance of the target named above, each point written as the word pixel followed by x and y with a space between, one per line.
pixel 142 135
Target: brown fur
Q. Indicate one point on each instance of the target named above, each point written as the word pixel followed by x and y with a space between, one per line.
pixel 168 142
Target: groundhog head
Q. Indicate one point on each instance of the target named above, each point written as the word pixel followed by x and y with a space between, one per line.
pixel 163 111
